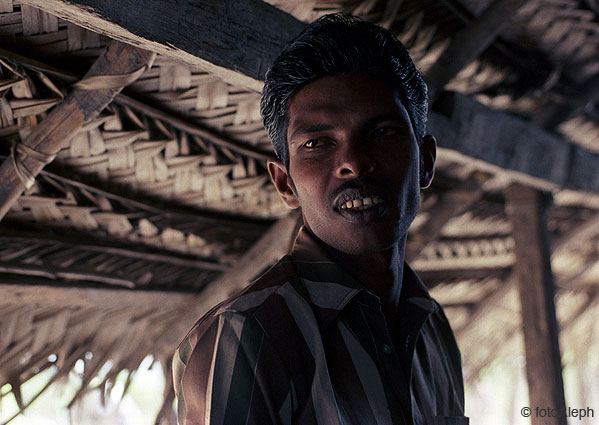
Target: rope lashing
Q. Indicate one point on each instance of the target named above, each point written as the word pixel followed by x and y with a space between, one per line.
pixel 19 152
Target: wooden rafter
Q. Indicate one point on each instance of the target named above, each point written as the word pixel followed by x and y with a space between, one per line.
pixel 195 215
pixel 470 42
pixel 432 277
pixel 194 129
pixel 57 295
pixel 132 251
pixel 66 273
pixel 122 63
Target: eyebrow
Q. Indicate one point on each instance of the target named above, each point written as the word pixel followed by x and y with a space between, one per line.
pixel 370 122
pixel 312 128
pixel 388 116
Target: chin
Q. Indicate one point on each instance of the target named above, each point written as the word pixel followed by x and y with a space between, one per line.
pixel 366 245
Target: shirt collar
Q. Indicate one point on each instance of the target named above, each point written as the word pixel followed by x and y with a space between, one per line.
pixel 330 287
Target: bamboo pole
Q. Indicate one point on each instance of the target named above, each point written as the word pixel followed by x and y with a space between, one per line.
pixel 119 65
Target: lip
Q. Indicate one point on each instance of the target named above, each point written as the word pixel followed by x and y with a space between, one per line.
pixel 353 194
pixel 369 214
pixel 374 212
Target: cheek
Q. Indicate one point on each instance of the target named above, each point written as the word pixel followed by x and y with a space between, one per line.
pixel 308 177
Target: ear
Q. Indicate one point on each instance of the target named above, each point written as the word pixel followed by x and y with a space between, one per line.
pixel 280 178
pixel 428 154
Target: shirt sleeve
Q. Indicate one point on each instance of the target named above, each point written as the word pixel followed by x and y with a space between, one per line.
pixel 227 373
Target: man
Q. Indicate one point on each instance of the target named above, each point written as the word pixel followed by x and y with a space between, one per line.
pixel 341 331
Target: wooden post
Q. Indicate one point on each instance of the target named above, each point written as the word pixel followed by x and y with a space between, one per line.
pixel 526 208
pixel 119 65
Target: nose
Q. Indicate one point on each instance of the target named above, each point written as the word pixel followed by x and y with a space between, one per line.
pixel 354 161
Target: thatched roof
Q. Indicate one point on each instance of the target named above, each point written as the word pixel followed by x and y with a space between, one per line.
pixel 124 239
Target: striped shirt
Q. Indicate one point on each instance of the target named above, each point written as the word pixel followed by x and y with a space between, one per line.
pixel 308 344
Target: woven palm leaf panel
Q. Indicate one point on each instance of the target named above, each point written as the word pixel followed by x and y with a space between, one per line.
pixel 82 223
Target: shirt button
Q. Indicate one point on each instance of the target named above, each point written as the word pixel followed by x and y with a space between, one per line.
pixel 386 349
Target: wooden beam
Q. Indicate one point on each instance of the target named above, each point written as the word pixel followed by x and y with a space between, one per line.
pixel 526 209
pixel 470 42
pixel 195 129
pixel 68 274
pixel 168 212
pixel 127 250
pixel 122 63
pixel 30 290
pixel 432 278
pixel 275 243
pixel 234 40
pixel 466 130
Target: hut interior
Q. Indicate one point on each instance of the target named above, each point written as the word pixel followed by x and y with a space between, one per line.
pixel 134 193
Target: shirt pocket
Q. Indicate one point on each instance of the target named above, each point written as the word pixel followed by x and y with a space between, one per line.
pixel 451 420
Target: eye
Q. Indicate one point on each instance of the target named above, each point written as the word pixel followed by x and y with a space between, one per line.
pixel 381 132
pixel 316 143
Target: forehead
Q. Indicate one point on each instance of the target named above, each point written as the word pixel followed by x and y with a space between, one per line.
pixel 343 96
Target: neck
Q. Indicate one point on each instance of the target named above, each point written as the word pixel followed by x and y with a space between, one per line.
pixel 381 272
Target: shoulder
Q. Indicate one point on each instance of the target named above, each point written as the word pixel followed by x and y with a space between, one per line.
pixel 267 293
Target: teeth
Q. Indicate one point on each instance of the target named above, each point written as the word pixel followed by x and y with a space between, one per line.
pixel 362 204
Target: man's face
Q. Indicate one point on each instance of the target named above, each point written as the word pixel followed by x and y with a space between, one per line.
pixel 354 161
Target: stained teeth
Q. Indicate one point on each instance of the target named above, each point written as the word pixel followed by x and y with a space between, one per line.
pixel 361 204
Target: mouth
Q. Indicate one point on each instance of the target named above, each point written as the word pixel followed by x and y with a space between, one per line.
pixel 361 204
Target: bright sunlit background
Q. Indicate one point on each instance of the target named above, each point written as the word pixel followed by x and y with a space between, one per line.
pixel 139 405
pixel 496 399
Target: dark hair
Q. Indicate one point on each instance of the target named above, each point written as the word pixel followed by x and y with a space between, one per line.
pixel 339 44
